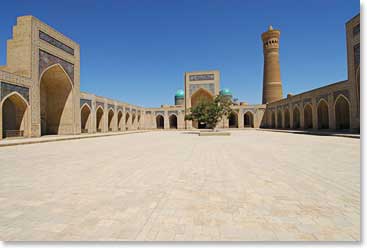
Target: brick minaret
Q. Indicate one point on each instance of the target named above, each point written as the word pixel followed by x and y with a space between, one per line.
pixel 272 85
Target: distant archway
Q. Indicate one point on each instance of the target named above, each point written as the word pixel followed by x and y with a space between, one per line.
pixel 111 115
pixel 233 120
pixel 248 119
pixel 322 115
pixel 342 116
pixel 160 122
pixel 85 118
pixel 201 95
pixel 99 119
pixel 296 118
pixel 279 119
pixel 133 118
pixel 287 122
pixel 173 121
pixel 56 101
pixel 14 116
pixel 127 117
pixel 307 114
pixel 272 119
pixel 119 122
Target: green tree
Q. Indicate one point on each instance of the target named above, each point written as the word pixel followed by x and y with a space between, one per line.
pixel 210 111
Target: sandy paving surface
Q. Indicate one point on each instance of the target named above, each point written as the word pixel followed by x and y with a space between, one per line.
pixel 253 185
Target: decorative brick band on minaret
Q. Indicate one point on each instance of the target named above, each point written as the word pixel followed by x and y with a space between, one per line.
pixel 272 85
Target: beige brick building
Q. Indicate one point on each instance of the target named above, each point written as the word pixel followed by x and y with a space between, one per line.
pixel 40 92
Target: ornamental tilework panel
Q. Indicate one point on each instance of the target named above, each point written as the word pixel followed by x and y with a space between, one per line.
pixel 87 101
pixel 202 77
pixel 148 112
pixel 46 60
pixel 56 43
pixel 127 109
pixel 209 87
pixel 111 106
pixel 120 108
pixel 7 88
pixel 100 104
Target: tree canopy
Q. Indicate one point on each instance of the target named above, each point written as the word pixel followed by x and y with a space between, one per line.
pixel 210 111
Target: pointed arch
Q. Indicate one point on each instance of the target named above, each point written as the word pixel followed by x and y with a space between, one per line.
pixel 248 119
pixel 14 115
pixel 279 119
pixel 200 95
pixel 127 119
pixel 272 119
pixel 119 120
pixel 322 114
pixel 307 116
pixel 159 119
pixel 296 118
pixel 85 118
pixel 56 101
pixel 342 112
pixel 111 117
pixel 287 122
pixel 233 120
pixel 99 119
pixel 173 121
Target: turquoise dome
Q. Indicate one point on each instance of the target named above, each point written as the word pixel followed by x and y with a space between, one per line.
pixel 226 92
pixel 180 94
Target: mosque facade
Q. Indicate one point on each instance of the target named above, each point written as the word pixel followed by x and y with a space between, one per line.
pixel 40 92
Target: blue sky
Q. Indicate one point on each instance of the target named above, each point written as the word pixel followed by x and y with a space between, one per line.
pixel 137 51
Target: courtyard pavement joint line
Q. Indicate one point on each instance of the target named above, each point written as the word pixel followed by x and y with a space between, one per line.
pixel 27 141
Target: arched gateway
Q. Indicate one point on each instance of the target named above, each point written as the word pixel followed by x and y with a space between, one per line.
pixel 201 95
pixel 56 101
pixel 160 121
pixel 173 121
pixel 14 116
pixel 85 115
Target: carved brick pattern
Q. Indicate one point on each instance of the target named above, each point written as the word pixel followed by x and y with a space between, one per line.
pixel 46 60
pixel 307 101
pixel 159 112
pixel 343 92
pixel 173 112
pixel 56 43
pixel 13 78
pixel 247 109
pixel 7 88
pixel 209 87
pixel 324 96
pixel 87 101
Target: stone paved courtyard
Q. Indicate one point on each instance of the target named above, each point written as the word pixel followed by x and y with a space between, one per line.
pixel 253 185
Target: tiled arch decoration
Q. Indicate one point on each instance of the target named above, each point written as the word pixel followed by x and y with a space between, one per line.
pixel 6 89
pixel 46 60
